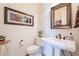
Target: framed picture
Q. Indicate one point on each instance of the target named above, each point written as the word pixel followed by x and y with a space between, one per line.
pixel 77 19
pixel 61 16
pixel 15 17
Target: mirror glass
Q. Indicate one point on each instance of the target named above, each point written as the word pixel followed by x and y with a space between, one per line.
pixel 61 16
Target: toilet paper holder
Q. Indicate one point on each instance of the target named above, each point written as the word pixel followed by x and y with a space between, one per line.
pixel 21 43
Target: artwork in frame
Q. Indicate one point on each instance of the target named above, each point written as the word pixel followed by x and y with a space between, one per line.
pixel 15 17
pixel 77 19
pixel 61 16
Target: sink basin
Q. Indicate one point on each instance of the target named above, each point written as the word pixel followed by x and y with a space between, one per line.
pixel 60 43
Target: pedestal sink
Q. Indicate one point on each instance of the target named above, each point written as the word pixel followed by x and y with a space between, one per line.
pixel 59 44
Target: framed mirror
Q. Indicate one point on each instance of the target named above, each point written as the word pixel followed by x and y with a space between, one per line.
pixel 61 16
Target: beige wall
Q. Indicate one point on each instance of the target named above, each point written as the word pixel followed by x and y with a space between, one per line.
pixel 45 25
pixel 41 13
pixel 15 33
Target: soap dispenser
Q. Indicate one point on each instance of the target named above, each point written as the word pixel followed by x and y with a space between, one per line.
pixel 71 37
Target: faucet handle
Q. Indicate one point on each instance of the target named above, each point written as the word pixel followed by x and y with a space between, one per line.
pixel 59 36
pixel 64 38
pixel 56 36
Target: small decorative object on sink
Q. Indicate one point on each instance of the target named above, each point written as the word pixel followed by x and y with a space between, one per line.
pixel 2 38
pixel 71 37
pixel 40 33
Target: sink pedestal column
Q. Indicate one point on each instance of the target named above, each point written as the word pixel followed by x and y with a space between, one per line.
pixel 56 51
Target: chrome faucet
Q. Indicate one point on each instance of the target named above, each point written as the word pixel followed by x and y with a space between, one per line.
pixel 59 36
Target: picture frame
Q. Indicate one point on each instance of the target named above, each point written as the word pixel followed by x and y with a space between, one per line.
pixel 15 17
pixel 77 18
pixel 61 16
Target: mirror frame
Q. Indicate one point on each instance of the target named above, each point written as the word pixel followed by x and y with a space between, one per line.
pixel 68 24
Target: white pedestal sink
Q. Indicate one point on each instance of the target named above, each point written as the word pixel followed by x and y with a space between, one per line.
pixel 59 44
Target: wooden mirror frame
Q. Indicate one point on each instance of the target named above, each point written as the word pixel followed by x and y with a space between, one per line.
pixel 68 16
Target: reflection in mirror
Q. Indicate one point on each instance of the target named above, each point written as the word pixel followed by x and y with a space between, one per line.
pixel 61 16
